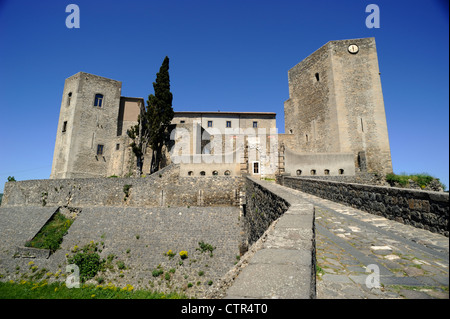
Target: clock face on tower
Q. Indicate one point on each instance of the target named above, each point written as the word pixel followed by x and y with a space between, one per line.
pixel 353 48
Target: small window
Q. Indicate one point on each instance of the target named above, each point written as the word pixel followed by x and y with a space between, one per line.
pixel 313 172
pixel 99 149
pixel 69 96
pixel 306 137
pixel 326 172
pixel 290 131
pixel 210 123
pixel 317 77
pixel 227 172
pixel 299 172
pixel 190 173
pixel 98 100
pixel 64 126
pixel 255 124
pixel 228 123
pixel 117 147
pixel 341 171
pixel 215 173
pixel 202 173
pixel 182 122
pixel 255 167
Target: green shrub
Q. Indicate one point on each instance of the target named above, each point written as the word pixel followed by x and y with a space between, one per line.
pixel 126 190
pixel 88 261
pixel 205 247
pixel 157 272
pixel 422 179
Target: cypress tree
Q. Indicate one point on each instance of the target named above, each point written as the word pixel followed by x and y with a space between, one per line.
pixel 154 122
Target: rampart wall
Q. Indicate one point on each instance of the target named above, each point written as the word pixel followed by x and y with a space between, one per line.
pixel 162 189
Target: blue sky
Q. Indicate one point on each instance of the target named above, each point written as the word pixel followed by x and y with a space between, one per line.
pixel 228 55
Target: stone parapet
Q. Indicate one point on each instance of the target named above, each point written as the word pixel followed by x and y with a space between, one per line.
pixel 421 209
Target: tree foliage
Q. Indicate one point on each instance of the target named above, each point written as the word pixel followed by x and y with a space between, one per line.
pixel 154 121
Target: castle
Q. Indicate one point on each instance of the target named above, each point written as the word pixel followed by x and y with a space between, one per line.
pixel 335 124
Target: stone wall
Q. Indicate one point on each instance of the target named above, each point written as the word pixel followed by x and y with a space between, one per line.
pixel 320 164
pixel 163 189
pixel 261 209
pixel 421 209
pixel 281 260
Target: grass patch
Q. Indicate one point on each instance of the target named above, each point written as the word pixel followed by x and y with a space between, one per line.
pixel 51 235
pixel 56 290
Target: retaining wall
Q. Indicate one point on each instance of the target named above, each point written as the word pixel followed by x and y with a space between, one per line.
pixel 281 261
pixel 162 189
pixel 421 209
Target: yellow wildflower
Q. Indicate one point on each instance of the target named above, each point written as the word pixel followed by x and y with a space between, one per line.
pixel 183 254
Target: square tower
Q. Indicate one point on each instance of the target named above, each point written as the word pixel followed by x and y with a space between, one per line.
pixel 87 128
pixel 336 104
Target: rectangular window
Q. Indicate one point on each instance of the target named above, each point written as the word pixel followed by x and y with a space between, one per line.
pixel 98 100
pixel 255 167
pixel 228 123
pixel 182 122
pixel 64 126
pixel 117 147
pixel 99 149
pixel 255 124
pixel 210 123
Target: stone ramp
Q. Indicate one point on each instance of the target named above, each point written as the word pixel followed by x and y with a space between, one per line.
pixel 283 264
pixel 413 263
pixel 19 224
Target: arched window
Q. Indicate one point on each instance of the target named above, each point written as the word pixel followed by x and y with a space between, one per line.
pixel 299 172
pixel 69 97
pixel 215 173
pixel 202 173
pixel 341 171
pixel 190 173
pixel 227 172
pixel 326 172
pixel 98 100
pixel 313 172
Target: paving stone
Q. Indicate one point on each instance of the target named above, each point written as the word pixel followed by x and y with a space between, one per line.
pixel 336 278
pixel 382 242
pixel 412 294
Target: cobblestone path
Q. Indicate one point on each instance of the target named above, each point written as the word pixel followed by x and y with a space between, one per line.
pixel 351 244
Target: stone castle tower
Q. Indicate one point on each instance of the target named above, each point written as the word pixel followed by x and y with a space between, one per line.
pixel 91 140
pixel 336 105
